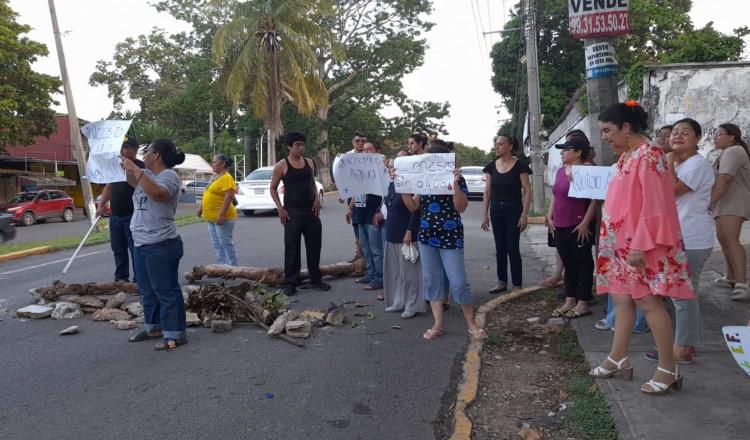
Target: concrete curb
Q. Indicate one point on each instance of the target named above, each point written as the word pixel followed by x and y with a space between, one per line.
pixel 469 385
pixel 28 252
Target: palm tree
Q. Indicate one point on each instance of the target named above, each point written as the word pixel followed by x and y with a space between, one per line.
pixel 266 58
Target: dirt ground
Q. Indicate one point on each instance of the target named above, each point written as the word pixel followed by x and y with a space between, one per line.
pixel 528 370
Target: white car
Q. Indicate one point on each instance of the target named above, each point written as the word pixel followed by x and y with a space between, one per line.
pixel 475 180
pixel 254 192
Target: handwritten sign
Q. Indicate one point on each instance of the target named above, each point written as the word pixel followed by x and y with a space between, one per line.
pixel 590 182
pixel 425 174
pixel 360 173
pixel 738 341
pixel 105 140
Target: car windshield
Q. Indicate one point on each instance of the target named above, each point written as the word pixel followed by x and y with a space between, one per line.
pixel 471 171
pixel 260 175
pixel 23 198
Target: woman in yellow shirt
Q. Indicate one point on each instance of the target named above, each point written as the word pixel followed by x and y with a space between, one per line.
pixel 217 209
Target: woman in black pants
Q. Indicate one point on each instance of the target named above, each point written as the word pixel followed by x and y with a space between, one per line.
pixel 507 197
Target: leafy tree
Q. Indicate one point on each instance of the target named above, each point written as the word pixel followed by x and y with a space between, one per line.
pixel 471 156
pixel 25 95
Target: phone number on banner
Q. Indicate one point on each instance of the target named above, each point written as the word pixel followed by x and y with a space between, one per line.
pixel 605 24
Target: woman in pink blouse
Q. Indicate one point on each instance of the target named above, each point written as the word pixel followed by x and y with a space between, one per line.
pixel 641 257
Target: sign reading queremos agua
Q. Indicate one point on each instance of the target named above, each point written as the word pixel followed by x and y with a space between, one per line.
pixel 600 60
pixel 598 18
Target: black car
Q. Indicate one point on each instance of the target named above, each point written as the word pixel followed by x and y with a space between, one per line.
pixel 7 230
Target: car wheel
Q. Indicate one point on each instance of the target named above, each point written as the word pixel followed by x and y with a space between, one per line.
pixel 321 198
pixel 28 218
pixel 248 212
pixel 67 215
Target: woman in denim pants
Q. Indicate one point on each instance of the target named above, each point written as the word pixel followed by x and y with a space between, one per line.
pixel 219 211
pixel 507 197
pixel 441 243
pixel 158 246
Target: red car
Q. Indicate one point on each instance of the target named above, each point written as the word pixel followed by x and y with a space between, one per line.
pixel 28 207
pixel 107 209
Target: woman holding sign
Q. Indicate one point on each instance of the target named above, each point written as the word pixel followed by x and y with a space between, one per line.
pixel 158 246
pixel 641 259
pixel 441 249
pixel 506 202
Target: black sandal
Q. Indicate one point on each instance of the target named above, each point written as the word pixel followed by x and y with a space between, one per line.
pixel 169 344
pixel 143 335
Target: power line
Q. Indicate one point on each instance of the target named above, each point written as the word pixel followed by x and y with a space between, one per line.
pixel 477 29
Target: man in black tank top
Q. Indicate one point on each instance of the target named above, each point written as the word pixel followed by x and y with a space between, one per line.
pixel 299 213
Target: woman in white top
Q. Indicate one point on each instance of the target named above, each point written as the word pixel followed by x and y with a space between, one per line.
pixel 693 180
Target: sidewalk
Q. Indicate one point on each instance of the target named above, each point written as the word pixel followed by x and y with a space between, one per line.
pixel 713 402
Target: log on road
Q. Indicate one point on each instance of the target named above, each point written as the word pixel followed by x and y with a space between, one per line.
pixel 272 276
pixel 58 288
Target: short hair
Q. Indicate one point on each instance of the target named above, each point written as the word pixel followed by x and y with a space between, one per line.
pixel 226 159
pixel 359 134
pixel 376 144
pixel 694 125
pixel 576 132
pixel 293 137
pixel 419 138
pixel 670 127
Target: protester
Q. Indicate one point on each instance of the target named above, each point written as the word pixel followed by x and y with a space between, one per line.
pixel 662 138
pixel 730 206
pixel 506 201
pixel 119 195
pixel 641 256
pixel 570 220
pixel 218 210
pixel 362 211
pixel 158 246
pixel 417 144
pixel 402 278
pixel 441 243
pixel 693 180
pixel 358 146
pixel 299 214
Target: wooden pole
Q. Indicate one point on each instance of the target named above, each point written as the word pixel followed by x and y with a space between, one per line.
pixel 75 129
pixel 535 109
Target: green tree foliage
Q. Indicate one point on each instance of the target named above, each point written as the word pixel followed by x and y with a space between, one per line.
pixel 471 156
pixel 25 95
pixel 661 33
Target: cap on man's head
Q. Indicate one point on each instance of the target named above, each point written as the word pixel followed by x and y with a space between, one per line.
pixel 575 142
pixel 129 141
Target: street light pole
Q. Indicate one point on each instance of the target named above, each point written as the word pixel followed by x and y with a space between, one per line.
pixel 75 129
pixel 535 108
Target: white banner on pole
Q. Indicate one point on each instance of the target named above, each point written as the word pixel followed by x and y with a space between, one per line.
pixel 105 140
pixel 425 174
pixel 590 182
pixel 360 173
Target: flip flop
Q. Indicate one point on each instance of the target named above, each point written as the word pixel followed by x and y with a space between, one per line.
pixel 431 334
pixel 560 312
pixel 169 344
pixel 572 314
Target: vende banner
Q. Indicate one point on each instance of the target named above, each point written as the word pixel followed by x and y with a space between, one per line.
pixel 598 18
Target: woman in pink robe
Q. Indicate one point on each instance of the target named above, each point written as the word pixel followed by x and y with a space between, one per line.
pixel 641 256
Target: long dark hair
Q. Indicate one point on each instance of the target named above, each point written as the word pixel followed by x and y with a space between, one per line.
pixel 734 131
pixel 630 112
pixel 169 153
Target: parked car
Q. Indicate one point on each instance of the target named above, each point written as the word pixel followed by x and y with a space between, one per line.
pixel 254 192
pixel 197 187
pixel 7 230
pixel 28 207
pixel 475 180
pixel 107 209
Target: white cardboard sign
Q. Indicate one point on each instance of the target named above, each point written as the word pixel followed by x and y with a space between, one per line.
pixel 360 173
pixel 738 341
pixel 590 182
pixel 105 141
pixel 425 174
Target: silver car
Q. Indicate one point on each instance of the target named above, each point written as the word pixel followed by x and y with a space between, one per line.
pixel 475 180
pixel 254 192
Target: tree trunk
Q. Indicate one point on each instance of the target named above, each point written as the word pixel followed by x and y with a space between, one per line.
pixel 324 151
pixel 271 148
pixel 273 276
pixel 251 159
pixel 58 288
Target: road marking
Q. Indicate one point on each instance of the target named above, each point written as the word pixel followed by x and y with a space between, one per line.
pixel 36 266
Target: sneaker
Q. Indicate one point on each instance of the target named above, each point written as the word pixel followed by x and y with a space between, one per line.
pixel 319 285
pixel 501 286
pixel 603 324
pixel 741 292
pixel 363 280
pixel 723 282
pixel 290 289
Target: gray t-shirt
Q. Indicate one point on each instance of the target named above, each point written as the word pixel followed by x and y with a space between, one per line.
pixel 152 221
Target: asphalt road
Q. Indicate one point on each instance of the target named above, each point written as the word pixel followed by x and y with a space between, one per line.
pixel 368 382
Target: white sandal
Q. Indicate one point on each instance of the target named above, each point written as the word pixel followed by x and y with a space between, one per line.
pixel 654 387
pixel 603 373
pixel 723 282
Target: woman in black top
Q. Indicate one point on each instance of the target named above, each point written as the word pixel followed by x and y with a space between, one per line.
pixel 507 197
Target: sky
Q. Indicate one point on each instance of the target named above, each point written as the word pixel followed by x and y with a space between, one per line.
pixel 457 66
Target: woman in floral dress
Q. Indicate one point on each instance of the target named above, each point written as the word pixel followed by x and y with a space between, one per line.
pixel 641 257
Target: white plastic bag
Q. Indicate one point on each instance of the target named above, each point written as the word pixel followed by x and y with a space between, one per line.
pixel 410 252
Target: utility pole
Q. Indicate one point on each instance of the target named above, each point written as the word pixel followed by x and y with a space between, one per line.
pixel 75 129
pixel 601 92
pixel 211 132
pixel 535 108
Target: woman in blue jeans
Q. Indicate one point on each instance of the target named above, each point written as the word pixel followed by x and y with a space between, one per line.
pixel 506 202
pixel 158 246
pixel 441 249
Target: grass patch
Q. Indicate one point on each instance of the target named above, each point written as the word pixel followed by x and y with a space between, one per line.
pixel 96 237
pixel 495 340
pixel 589 416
